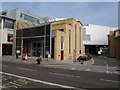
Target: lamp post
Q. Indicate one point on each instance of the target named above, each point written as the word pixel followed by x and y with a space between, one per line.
pixel 21 44
pixel 1 37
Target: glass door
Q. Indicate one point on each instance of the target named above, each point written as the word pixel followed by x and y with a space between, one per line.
pixel 37 48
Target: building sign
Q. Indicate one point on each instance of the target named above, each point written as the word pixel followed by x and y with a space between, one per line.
pixel 18 51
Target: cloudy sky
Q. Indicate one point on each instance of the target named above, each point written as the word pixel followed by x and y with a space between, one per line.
pixel 101 13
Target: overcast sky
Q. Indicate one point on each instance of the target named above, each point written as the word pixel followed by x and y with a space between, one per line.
pixel 100 13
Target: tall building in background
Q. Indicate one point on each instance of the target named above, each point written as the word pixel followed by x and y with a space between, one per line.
pixel 95 38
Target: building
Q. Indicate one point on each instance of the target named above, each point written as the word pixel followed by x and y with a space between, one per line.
pixel 34 41
pixel 25 16
pixel 67 39
pixel 114 44
pixel 62 39
pixel 23 19
pixel 34 36
pixel 95 38
pixel 6 35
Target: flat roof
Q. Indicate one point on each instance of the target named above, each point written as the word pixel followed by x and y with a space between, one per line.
pixel 7 17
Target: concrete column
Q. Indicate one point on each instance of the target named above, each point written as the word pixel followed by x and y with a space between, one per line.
pixel 14 39
pixel 1 37
pixel 50 39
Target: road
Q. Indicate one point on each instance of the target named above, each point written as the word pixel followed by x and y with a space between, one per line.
pixel 103 61
pixel 45 77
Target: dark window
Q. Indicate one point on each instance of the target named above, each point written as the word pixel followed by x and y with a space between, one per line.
pixel 61 30
pixel 80 51
pixel 69 41
pixel 8 24
pixel 62 42
pixel 4 13
pixel 47 40
pixel 48 30
pixel 10 35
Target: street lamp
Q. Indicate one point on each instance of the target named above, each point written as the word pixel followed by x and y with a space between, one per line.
pixel 21 44
pixel 1 20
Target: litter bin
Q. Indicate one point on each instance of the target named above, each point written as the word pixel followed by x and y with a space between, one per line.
pixel 39 59
pixel 16 55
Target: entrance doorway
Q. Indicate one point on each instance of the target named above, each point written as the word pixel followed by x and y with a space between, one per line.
pixel 62 55
pixel 37 49
pixel 7 49
pixel 52 53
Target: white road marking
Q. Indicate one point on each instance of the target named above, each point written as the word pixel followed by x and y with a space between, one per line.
pixel 87 69
pixel 64 75
pixel 109 80
pixel 39 81
pixel 72 69
pixel 56 65
pixel 15 84
pixel 25 69
pixel 11 86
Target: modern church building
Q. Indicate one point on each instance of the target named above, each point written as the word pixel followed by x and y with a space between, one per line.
pixel 36 35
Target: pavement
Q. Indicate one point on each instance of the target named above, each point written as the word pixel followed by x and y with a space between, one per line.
pixel 90 66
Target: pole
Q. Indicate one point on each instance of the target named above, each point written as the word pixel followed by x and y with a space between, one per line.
pixel 21 44
pixel 1 36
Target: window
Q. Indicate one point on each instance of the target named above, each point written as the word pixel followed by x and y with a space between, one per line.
pixel 8 24
pixel 0 22
pixel 69 41
pixel 4 13
pixel 75 35
pixel 80 38
pixel 21 15
pixel 80 51
pixel 10 35
pixel 62 42
pixel 61 30
pixel 70 24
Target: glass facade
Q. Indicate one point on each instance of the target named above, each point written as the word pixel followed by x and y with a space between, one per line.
pixel 31 19
pixel 36 40
pixel 8 24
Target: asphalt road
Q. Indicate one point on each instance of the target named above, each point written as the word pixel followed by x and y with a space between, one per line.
pixel 104 60
pixel 45 77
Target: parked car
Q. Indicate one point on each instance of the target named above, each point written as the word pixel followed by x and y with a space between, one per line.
pixel 84 58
